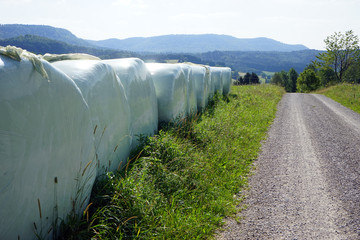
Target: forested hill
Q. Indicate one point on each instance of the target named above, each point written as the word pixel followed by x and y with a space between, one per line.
pixel 66 42
pixel 42 45
pixel 264 61
pixel 197 44
pixel 249 61
pixel 178 43
pixel 59 34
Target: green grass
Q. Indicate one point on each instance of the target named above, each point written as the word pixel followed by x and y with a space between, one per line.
pixel 186 178
pixel 346 94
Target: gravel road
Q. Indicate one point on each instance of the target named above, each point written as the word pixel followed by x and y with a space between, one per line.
pixel 306 184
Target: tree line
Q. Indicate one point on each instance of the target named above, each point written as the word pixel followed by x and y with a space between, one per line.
pixel 248 78
pixel 340 63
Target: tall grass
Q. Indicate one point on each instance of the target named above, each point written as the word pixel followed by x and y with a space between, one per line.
pixel 184 181
pixel 346 94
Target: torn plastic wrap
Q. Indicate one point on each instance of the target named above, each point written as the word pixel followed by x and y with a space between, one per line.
pixel 191 104
pixel 109 109
pixel 226 79
pixel 69 56
pixel 47 155
pixel 170 87
pixel 140 92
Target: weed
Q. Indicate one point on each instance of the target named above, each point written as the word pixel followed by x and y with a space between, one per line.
pixel 182 183
pixel 346 94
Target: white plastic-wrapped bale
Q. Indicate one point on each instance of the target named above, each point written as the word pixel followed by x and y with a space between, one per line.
pixel 200 76
pixel 109 109
pixel 47 153
pixel 211 89
pixel 226 80
pixel 140 92
pixel 208 84
pixel 191 104
pixel 170 87
pixel 216 81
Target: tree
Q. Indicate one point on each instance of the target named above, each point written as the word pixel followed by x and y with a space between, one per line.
pixel 254 78
pixel 308 81
pixel 352 75
pixel 276 79
pixel 240 81
pixel 342 50
pixel 247 78
pixel 285 80
pixel 327 76
pixel 293 76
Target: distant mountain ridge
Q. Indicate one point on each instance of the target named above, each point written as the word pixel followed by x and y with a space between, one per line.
pixel 197 44
pixel 181 43
pixel 58 34
pixel 45 39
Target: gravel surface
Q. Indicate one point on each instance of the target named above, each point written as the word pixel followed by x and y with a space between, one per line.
pixel 306 184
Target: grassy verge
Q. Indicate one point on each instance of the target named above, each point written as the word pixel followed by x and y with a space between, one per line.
pixel 184 183
pixel 345 94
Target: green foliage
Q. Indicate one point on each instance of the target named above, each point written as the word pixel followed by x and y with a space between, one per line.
pixel 342 51
pixel 346 94
pixel 308 81
pixel 293 76
pixel 352 75
pixel 340 63
pixel 327 76
pixel 184 183
pixel 252 78
pixel 286 83
pixel 277 79
pixel 286 79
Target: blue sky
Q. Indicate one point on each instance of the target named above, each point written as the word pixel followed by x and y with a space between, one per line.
pixel 306 22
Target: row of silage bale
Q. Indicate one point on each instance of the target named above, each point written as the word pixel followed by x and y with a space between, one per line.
pixel 183 89
pixel 63 129
pixel 47 152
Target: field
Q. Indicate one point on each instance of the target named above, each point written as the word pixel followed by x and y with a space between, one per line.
pixel 186 179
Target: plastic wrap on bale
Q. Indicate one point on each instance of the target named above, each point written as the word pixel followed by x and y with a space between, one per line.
pixel 226 80
pixel 109 109
pixel 140 92
pixel 208 84
pixel 171 90
pixel 191 104
pixel 216 81
pixel 47 153
pixel 200 75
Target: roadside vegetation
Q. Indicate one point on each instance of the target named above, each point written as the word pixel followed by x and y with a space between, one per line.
pixel 339 64
pixel 184 181
pixel 345 94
